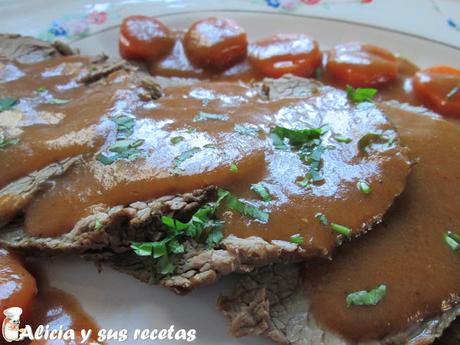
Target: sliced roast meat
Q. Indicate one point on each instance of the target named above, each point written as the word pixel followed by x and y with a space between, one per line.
pixel 304 146
pixel 412 256
pixel 26 49
pixel 47 115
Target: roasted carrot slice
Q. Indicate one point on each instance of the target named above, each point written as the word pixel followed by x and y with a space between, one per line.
pixel 438 88
pixel 285 53
pixel 215 43
pixel 144 38
pixel 361 65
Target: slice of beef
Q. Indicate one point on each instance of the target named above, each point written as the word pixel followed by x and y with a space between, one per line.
pixel 271 302
pixel 106 235
pixel 306 304
pixel 26 49
pixel 100 71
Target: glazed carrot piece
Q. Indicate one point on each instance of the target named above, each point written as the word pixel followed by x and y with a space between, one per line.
pixel 438 88
pixel 144 38
pixel 285 53
pixel 361 65
pixel 215 43
pixel 17 286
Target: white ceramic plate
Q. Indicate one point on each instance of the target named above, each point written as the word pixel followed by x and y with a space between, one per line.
pixel 117 301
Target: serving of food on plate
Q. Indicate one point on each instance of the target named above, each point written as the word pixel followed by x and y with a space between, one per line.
pixel 325 179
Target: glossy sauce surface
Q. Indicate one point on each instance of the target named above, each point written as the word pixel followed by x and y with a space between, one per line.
pixel 408 252
pixel 216 146
pixel 52 132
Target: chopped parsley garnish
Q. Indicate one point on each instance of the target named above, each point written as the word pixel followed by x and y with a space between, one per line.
pixel 371 297
pixel 247 129
pixel 453 92
pixel 297 239
pixel 313 158
pixel 262 191
pixel 203 227
pixel 203 116
pixel 97 224
pixel 125 126
pixel 176 140
pixel 40 89
pixel 308 143
pixel 122 149
pixel 360 95
pixel 233 168
pixel 57 101
pixel 4 143
pixel 182 158
pixel 322 218
pixel 341 229
pixel 243 207
pixel 342 139
pixel 7 103
pixel 364 187
pixel 295 137
pixel 371 138
pixel 452 239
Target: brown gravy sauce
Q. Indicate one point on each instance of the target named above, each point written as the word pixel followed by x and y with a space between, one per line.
pixel 407 252
pixel 414 289
pixel 292 211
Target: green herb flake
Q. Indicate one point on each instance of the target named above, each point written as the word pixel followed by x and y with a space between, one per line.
pixel 364 297
pixel 340 229
pixel 7 103
pixel 451 94
pixel 177 140
pixel 452 239
pixel 244 208
pixel 8 142
pixel 97 224
pixel 261 190
pixel 41 89
pixel 371 138
pixel 125 126
pixel 233 168
pixel 123 149
pixel 202 227
pixel 360 95
pixel 203 116
pixel 183 157
pixel 364 187
pixel 322 218
pixel 251 130
pixel 57 101
pixel 342 139
pixel 295 137
pixel 297 239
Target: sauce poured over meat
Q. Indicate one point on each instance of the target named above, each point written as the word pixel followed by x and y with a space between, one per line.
pixel 219 134
pixel 408 252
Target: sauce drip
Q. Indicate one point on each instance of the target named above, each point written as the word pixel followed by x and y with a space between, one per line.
pixel 50 307
pixel 407 252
